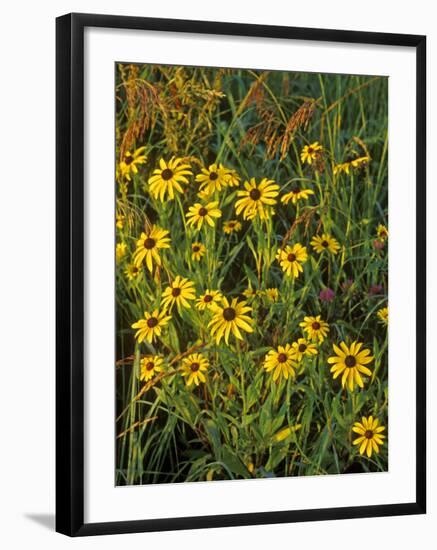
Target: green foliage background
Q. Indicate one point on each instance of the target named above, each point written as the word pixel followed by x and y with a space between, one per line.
pixel 228 428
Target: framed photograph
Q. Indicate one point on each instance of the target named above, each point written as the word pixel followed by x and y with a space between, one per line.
pixel 240 274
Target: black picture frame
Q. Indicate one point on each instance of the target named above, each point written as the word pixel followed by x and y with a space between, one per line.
pixel 70 273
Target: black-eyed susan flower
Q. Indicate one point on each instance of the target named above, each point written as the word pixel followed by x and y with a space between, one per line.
pixel 303 347
pixel 315 328
pixel 198 250
pixel 272 294
pixel 250 293
pixel 168 178
pixel 132 272
pixel 148 246
pixel 208 299
pixel 281 361
pixel 325 243
pixel 193 368
pixel 119 220
pixel 231 226
pixel 232 178
pixel 257 199
pixel 382 232
pixel 130 162
pixel 229 318
pixel 370 435
pixel 359 161
pixel 350 362
pixel 151 326
pixel 291 259
pixel 120 251
pixel 150 366
pixel 311 152
pixel 345 167
pixel 213 178
pixel 199 213
pixel 383 315
pixel 179 292
pixel 342 167
pixel 296 194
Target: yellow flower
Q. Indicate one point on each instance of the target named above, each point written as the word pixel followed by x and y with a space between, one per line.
pixel 232 178
pixel 230 319
pixel 281 361
pixel 311 152
pixel 212 179
pixel 296 194
pixel 132 272
pixel 209 299
pixel 203 195
pixel 168 178
pixel 130 162
pixel 382 232
pixel 291 259
pixel 383 315
pixel 325 242
pixel 356 163
pixel 148 246
pixel 198 250
pixel 272 294
pixel 302 347
pixel 315 327
pixel 250 292
pixel 151 326
pixel 197 214
pixel 346 166
pixel 119 220
pixel 193 367
pixel 370 435
pixel 231 226
pixel 120 251
pixel 342 167
pixel 150 365
pixel 179 292
pixel 257 199
pixel 350 361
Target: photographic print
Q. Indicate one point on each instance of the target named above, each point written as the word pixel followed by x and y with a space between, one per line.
pixel 251 274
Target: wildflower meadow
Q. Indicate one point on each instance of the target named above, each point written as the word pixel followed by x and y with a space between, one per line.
pixel 251 265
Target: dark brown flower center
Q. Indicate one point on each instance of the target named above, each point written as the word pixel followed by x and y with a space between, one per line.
pixel 213 176
pixel 325 244
pixel 207 298
pixel 316 325
pixel 128 159
pixel 194 367
pixel 176 292
pixel 167 174
pixel 203 211
pixel 282 358
pixel 291 257
pixel 350 361
pixel 368 434
pixel 310 150
pixel 196 248
pixel 152 322
pixel 229 313
pixel 295 190
pixel 149 243
pixel 134 269
pixel 255 194
pixel 302 347
pixel 150 365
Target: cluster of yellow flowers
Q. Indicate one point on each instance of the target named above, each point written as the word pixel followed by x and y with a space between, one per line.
pixel 229 316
